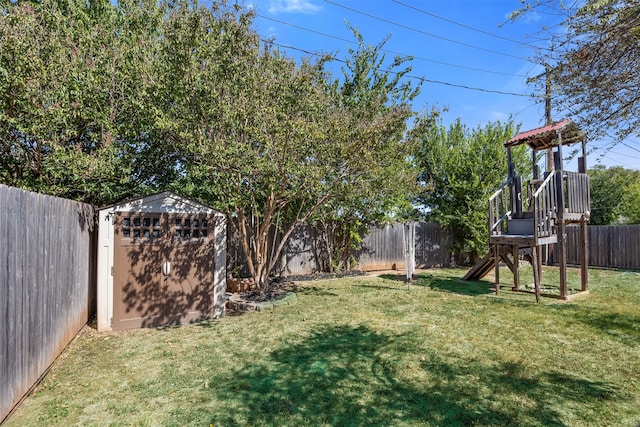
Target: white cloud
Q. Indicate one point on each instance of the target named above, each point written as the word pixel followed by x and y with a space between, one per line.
pixel 292 6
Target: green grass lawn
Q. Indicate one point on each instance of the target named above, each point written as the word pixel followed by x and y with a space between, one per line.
pixel 367 351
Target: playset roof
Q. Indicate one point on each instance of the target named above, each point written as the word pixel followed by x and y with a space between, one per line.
pixel 547 136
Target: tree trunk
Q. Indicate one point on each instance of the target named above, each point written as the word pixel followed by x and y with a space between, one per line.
pixel 254 238
pixel 331 247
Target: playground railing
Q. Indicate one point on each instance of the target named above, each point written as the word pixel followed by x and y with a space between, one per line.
pixel 500 209
pixel 576 192
pixel 545 207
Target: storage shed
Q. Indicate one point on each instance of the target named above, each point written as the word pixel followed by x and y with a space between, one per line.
pixel 161 261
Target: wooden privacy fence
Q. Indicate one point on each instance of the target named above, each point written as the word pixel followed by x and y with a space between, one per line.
pixel 47 291
pixel 382 249
pixel 610 246
pixel 301 255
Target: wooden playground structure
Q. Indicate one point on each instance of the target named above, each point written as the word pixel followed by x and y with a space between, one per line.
pixel 524 219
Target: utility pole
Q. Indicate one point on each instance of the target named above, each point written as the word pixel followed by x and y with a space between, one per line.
pixel 547 109
pixel 547 113
pixel 548 120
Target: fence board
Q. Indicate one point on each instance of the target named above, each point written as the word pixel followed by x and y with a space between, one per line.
pixel 610 246
pixel 432 244
pixel 382 249
pixel 46 260
pixel 302 254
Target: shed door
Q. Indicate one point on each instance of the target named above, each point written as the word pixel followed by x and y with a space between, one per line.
pixel 143 243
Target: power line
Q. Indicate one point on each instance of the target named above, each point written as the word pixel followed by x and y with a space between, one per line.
pixel 610 149
pixel 304 28
pixel 616 161
pixel 525 109
pixel 617 153
pixel 422 79
pixel 464 67
pixel 465 25
pixel 477 88
pixel 629 146
pixel 614 140
pixel 495 52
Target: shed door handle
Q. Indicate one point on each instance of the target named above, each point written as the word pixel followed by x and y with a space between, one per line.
pixel 166 269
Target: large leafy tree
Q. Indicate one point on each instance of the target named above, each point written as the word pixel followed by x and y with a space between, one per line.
pixel 615 195
pixel 246 120
pixel 593 63
pixel 276 142
pixel 375 102
pixel 74 76
pixel 460 169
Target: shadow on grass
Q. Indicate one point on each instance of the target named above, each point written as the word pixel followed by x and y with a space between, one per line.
pixel 455 285
pixel 396 277
pixel 624 326
pixel 382 287
pixel 315 290
pixel 344 375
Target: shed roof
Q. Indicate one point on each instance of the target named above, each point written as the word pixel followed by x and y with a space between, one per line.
pixel 547 136
pixel 166 200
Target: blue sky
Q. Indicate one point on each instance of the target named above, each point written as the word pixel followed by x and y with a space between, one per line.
pixel 475 62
